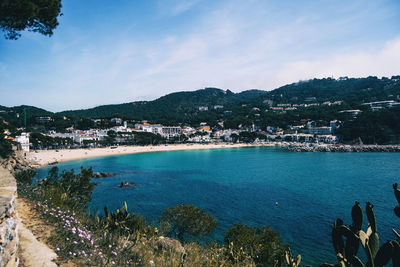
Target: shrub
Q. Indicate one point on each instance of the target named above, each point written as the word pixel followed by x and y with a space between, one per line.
pixel 187 219
pixel 25 177
pixel 262 243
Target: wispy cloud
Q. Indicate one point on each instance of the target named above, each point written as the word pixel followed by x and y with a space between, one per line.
pixel 360 63
pixel 182 6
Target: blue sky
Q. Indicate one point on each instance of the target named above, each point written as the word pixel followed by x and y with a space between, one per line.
pixel 106 52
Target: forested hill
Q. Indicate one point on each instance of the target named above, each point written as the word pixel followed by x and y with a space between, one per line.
pixel 183 107
pixel 15 115
pixel 176 106
pixel 351 90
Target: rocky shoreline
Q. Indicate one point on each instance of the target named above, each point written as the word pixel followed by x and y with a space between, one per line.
pixel 342 148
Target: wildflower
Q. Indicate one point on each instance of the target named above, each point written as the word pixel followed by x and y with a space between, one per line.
pixel 57 249
pixel 112 262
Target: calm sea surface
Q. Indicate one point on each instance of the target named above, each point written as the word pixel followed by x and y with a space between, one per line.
pixel 243 185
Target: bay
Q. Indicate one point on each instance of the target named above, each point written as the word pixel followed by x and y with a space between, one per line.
pixel 244 184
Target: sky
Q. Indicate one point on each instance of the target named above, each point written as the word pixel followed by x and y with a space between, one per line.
pixel 110 52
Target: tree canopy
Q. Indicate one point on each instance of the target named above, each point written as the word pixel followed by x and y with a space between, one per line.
pixel 32 15
pixel 263 243
pixel 186 218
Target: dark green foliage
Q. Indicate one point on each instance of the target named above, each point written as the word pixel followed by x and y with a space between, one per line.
pixel 121 222
pixel 249 137
pixel 25 177
pixel 5 146
pixel 187 219
pixel 263 244
pixel 67 188
pixel 143 138
pixel 378 127
pixel 84 124
pixel 33 15
pixel 40 141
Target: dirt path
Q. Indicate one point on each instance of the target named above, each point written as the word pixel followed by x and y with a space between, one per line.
pixel 34 234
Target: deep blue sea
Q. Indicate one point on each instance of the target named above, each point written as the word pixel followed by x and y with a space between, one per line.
pixel 243 185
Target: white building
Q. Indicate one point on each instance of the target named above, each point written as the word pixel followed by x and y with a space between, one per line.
pixel 23 141
pixel 171 131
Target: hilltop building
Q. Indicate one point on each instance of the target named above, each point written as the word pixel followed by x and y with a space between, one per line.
pixel 43 119
pixel 351 114
pixel 378 105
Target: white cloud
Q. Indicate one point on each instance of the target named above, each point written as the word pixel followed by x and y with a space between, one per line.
pixel 235 45
pixel 384 61
pixel 183 6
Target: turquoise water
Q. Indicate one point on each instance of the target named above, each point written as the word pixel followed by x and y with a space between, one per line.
pixel 243 185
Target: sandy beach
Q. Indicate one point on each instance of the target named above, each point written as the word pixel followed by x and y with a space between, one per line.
pixel 42 158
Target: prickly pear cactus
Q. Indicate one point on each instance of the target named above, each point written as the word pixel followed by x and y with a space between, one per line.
pixel 346 252
pixel 292 262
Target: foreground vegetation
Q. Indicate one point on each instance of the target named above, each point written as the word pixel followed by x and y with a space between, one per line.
pixel 122 238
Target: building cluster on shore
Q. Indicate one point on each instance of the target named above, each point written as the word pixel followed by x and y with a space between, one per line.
pixel 123 132
pixel 307 133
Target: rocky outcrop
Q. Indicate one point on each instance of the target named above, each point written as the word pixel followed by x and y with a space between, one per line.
pixel 344 148
pixel 8 220
pixel 102 174
pixel 127 184
pixel 16 162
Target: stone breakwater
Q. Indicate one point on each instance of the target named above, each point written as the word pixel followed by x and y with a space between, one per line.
pixel 343 148
pixel 8 220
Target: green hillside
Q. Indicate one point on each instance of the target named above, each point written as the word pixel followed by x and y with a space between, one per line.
pixel 247 108
pixel 178 106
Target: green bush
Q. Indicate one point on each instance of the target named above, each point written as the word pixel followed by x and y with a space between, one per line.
pixel 262 243
pixel 25 177
pixel 68 189
pixel 187 219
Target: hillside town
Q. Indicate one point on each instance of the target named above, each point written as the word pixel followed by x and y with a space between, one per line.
pixel 125 132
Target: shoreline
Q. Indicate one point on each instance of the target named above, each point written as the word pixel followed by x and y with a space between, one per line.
pixel 42 158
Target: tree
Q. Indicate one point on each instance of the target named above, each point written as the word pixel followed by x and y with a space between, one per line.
pixel 5 145
pixel 186 218
pixel 262 243
pixel 69 189
pixel 33 15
